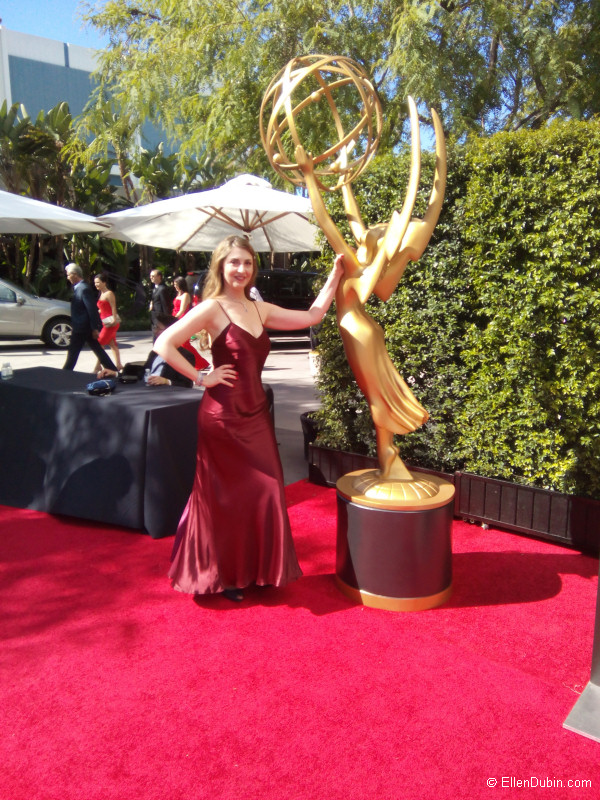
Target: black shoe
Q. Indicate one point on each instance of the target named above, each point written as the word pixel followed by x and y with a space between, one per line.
pixel 234 594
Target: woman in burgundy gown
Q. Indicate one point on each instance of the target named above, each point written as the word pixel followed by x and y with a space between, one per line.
pixel 235 530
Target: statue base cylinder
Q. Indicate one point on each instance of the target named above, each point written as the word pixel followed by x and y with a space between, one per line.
pixel 395 556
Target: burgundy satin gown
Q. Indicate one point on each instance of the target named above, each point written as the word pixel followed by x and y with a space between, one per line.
pixel 235 529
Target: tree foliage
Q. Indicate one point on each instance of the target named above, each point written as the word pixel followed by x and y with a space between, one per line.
pixel 200 69
pixel 43 158
pixel 36 161
pixel 494 65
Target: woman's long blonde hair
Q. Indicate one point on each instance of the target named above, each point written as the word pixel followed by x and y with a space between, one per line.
pixel 213 286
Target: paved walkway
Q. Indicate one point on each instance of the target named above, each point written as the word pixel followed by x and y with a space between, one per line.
pixel 287 371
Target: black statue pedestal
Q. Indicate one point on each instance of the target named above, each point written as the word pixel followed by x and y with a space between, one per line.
pixel 395 554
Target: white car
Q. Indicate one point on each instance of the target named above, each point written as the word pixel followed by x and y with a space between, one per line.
pixel 25 316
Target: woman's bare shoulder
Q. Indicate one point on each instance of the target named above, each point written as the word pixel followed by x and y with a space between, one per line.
pixel 210 303
pixel 205 308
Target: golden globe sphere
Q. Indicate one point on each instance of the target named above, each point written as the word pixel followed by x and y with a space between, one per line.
pixel 305 96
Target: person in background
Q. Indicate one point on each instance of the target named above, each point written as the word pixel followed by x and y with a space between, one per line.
pixel 160 302
pixel 235 530
pixel 107 306
pixel 85 320
pixel 183 299
pixel 161 373
pixel 181 305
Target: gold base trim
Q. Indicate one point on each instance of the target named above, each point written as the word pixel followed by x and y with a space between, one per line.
pixel 366 488
pixel 380 601
pixel 371 486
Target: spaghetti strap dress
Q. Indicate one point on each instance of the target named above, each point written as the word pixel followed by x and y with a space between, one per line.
pixel 235 530
pixel 107 334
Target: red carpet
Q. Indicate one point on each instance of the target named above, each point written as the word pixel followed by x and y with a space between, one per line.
pixel 114 686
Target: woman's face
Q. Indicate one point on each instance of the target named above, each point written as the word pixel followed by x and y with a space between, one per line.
pixel 98 284
pixel 238 268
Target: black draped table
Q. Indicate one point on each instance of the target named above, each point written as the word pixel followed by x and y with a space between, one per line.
pixel 127 458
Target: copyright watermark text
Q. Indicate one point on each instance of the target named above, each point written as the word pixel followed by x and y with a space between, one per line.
pixel 537 782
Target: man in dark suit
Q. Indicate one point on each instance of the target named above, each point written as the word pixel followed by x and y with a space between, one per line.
pixel 85 320
pixel 161 302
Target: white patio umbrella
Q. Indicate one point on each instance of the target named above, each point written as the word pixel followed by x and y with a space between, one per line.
pixel 24 215
pixel 273 221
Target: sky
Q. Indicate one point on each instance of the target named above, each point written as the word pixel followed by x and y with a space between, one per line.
pixel 54 19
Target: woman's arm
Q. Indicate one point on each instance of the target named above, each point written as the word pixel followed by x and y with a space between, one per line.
pixel 287 319
pixel 201 317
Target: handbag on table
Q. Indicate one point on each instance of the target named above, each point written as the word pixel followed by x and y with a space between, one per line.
pixel 101 387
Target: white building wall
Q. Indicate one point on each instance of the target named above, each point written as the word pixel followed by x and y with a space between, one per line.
pixel 41 50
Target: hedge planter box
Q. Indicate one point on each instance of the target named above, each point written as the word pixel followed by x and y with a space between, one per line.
pixel 561 518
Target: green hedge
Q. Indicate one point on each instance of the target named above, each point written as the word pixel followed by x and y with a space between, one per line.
pixel 497 328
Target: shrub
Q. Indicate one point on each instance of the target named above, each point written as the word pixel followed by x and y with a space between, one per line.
pixel 532 248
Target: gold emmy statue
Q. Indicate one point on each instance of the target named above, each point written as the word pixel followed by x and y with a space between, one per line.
pixel 382 251
pixel 318 92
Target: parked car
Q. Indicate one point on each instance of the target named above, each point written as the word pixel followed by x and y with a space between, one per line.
pixel 25 316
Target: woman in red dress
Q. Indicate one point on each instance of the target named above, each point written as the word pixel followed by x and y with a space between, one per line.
pixel 235 531
pixel 107 306
pixel 181 305
pixel 183 301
